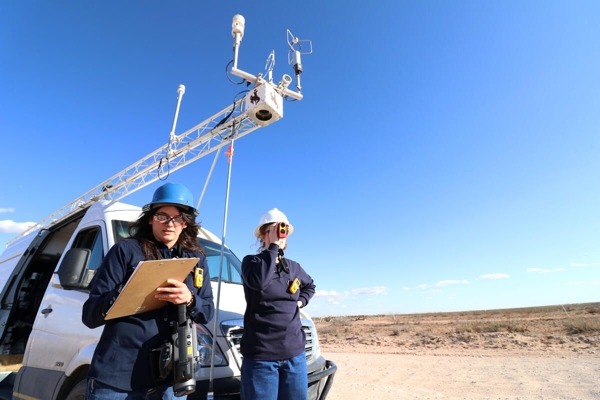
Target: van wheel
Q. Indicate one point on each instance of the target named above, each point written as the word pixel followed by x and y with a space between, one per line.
pixel 78 392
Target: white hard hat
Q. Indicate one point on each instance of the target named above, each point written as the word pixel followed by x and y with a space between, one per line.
pixel 273 215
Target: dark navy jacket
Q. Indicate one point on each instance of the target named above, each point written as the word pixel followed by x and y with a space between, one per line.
pixel 123 355
pixel 272 327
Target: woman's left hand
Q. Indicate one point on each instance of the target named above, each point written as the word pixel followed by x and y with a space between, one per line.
pixel 174 292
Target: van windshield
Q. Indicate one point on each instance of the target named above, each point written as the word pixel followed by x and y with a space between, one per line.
pixel 232 267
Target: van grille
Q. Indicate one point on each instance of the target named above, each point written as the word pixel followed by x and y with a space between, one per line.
pixel 234 330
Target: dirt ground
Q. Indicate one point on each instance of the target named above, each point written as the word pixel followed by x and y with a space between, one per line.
pixel 530 353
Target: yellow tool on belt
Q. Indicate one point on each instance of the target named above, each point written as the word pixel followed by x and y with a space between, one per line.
pixel 198 277
pixel 294 286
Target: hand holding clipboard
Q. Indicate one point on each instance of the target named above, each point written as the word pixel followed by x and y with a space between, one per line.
pixel 138 294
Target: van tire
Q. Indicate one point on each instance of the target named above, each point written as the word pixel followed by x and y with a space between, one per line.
pixel 78 391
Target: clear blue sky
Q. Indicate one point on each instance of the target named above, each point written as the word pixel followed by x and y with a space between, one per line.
pixel 445 156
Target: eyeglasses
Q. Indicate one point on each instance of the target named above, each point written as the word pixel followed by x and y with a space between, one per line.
pixel 165 219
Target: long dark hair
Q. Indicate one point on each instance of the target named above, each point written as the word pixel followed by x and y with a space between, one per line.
pixel 141 230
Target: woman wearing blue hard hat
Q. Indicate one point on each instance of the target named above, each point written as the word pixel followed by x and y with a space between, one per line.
pixel 125 364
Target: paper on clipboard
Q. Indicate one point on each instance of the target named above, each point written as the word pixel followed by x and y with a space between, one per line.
pixel 138 294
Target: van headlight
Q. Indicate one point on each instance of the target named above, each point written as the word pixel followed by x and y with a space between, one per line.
pixel 206 346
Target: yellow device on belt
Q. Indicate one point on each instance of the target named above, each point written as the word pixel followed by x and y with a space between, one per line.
pixel 198 277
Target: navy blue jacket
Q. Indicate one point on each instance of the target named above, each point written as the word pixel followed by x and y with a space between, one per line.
pixel 122 358
pixel 272 327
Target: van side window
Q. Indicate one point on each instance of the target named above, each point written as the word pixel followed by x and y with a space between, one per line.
pixel 91 239
pixel 120 230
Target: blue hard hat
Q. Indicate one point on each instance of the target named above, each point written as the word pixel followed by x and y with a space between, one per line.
pixel 172 194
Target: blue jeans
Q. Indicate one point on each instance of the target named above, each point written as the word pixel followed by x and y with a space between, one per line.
pixel 99 391
pixel 275 380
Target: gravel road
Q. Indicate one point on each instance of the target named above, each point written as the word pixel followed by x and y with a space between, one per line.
pixel 400 376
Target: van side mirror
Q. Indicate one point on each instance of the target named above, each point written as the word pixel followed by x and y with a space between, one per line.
pixel 72 272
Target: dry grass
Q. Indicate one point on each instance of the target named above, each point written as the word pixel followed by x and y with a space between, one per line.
pixel 573 327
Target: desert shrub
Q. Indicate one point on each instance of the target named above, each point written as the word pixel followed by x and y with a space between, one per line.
pixel 334 326
pixel 593 309
pixel 516 327
pixel 582 325
pixel 479 327
pixel 341 321
pixel 463 338
pixel 402 328
pixel 328 330
pixel 463 329
pixel 492 327
pixel 489 327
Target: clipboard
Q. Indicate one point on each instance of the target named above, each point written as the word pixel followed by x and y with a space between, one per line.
pixel 137 296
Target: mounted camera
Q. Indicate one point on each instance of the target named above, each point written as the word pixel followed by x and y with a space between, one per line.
pixel 264 105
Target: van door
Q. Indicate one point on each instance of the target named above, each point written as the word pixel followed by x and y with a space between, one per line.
pixel 60 343
pixel 16 300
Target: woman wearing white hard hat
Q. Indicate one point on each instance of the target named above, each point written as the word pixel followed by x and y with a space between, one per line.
pixel 273 343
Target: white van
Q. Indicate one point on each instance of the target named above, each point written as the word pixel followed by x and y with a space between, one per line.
pixel 45 350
